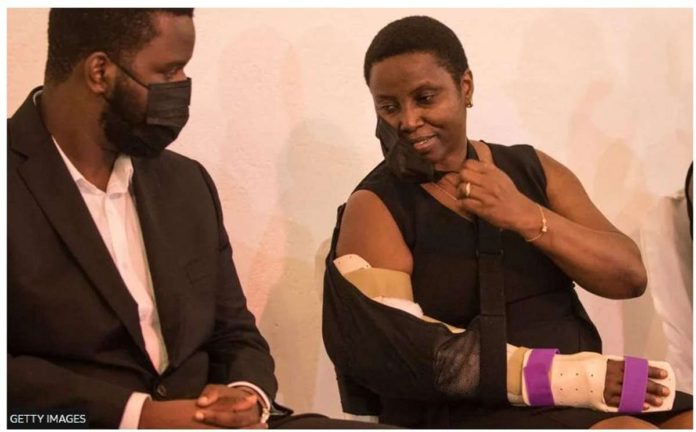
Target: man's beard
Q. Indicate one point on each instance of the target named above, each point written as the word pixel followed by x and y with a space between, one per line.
pixel 125 128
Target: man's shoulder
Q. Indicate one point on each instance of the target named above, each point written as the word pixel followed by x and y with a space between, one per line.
pixel 172 157
pixel 171 168
pixel 170 160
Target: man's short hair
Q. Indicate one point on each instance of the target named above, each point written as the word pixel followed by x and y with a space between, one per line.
pixel 75 33
pixel 418 34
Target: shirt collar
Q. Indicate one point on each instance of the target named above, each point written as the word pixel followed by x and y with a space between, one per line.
pixel 121 173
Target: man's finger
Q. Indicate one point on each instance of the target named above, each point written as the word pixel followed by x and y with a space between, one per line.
pixel 230 419
pixel 209 396
pixel 248 402
pixel 235 404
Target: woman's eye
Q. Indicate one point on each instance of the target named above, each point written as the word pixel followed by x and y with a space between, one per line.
pixel 426 99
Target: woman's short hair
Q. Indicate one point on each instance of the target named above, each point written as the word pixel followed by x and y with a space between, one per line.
pixel 418 34
pixel 74 34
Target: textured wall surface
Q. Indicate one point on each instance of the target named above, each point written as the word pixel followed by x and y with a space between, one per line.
pixel 283 121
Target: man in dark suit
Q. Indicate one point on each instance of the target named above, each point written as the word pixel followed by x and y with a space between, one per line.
pixel 123 299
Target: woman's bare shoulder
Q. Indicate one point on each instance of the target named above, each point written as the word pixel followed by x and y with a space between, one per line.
pixel 368 229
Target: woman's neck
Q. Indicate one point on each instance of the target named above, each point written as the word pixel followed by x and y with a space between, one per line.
pixel 454 160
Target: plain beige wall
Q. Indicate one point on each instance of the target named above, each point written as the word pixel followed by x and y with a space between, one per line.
pixel 283 121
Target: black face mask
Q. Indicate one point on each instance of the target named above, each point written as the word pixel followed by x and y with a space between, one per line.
pixel 403 161
pixel 166 114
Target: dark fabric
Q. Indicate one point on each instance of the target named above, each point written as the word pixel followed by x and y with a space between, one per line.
pixel 491 288
pixel 318 421
pixel 388 355
pixel 477 417
pixel 73 333
pixel 390 352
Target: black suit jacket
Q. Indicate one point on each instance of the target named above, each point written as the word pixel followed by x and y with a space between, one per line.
pixel 74 339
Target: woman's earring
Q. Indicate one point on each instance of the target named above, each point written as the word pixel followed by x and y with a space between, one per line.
pixel 469 104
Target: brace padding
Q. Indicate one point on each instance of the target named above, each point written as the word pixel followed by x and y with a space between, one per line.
pixel 389 287
pixel 514 371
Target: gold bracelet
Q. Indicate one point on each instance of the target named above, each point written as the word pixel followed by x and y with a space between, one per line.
pixel 544 227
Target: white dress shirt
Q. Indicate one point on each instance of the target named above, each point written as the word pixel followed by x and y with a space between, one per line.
pixel 116 218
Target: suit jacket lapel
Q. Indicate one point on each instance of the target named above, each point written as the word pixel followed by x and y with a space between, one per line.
pixel 48 179
pixel 154 204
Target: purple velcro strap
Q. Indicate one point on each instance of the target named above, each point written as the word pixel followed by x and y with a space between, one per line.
pixel 635 383
pixel 536 376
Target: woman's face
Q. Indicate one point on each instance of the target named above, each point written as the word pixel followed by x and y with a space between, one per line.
pixel 419 98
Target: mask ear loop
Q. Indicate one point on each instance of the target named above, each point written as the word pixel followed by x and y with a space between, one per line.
pixel 129 74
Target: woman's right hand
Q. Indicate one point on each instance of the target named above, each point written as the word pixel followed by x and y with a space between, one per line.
pixel 654 395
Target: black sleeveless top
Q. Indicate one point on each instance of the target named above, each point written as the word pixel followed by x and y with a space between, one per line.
pixel 541 304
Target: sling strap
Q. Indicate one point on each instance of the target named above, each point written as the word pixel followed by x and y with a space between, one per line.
pixel 489 251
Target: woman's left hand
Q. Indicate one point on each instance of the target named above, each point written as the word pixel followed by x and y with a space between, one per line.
pixel 654 394
pixel 493 196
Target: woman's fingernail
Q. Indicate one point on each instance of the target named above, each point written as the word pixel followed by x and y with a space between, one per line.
pixel 199 416
pixel 665 391
pixel 203 400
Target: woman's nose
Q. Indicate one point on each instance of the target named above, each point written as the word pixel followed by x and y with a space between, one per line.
pixel 411 119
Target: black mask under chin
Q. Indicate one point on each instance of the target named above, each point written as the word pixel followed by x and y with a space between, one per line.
pixel 403 161
pixel 165 116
